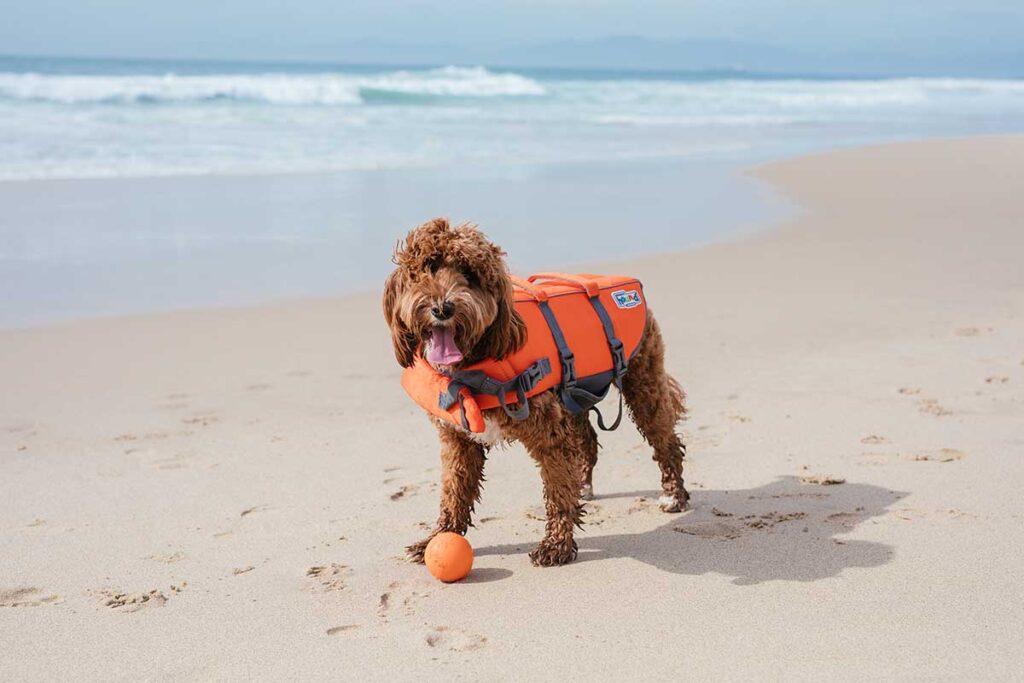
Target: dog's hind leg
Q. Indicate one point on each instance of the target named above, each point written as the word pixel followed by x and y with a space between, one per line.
pixel 462 472
pixel 589 446
pixel 657 404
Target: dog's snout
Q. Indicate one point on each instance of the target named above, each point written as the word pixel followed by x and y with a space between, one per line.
pixel 444 311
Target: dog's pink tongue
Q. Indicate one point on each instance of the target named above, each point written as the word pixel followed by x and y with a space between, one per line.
pixel 442 349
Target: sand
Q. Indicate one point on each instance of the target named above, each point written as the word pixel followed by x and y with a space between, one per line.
pixel 225 494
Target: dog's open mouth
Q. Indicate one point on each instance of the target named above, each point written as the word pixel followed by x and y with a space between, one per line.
pixel 442 349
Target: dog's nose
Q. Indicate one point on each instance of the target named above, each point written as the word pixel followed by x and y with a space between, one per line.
pixel 444 311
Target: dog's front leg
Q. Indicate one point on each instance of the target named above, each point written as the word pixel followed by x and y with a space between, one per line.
pixel 560 471
pixel 462 471
pixel 555 444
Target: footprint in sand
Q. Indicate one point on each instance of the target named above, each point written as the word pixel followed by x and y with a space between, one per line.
pixel 714 529
pixel 404 491
pixel 593 514
pixel 721 529
pixel 335 630
pixel 131 602
pixel 908 391
pixel 971 331
pixel 201 420
pixel 242 570
pixel 26 597
pixel 802 494
pixel 997 379
pixel 941 455
pixel 821 480
pixel 847 520
pixel 770 519
pixel 168 558
pixel 909 514
pixel 328 578
pixel 874 439
pixel 177 462
pixel 148 436
pixel 384 602
pixel 930 406
pixel 454 639
pixel 537 513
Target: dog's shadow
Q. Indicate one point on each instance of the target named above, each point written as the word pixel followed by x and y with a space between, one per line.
pixel 784 531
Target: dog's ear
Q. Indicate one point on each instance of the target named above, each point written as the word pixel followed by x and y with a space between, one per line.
pixel 402 338
pixel 507 333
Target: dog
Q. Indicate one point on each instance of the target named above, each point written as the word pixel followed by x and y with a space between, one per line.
pixel 452 283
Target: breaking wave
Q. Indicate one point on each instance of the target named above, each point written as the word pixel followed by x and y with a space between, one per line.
pixel 269 88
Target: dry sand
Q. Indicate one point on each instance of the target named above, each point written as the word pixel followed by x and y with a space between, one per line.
pixel 226 494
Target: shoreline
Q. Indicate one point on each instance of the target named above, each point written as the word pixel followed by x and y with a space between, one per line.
pixel 229 491
pixel 736 181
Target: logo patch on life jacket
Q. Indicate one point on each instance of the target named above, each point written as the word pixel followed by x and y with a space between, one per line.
pixel 624 299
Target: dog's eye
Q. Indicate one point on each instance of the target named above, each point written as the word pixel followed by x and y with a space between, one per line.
pixel 471 277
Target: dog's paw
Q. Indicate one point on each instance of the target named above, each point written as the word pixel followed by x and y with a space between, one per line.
pixel 550 553
pixel 587 492
pixel 414 552
pixel 674 503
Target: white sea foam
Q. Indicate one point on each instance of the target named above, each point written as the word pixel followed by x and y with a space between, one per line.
pixel 270 88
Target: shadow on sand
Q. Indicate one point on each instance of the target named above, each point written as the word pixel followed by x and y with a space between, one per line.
pixel 783 531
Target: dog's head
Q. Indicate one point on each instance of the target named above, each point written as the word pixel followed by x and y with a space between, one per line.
pixel 451 298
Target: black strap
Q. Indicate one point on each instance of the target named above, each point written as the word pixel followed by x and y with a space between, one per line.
pixel 619 362
pixel 479 382
pixel 618 351
pixel 567 358
pixel 600 417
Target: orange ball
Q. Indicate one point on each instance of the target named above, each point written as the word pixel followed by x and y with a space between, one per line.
pixel 449 556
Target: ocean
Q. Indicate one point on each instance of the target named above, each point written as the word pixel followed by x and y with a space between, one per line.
pixel 131 186
pixel 64 118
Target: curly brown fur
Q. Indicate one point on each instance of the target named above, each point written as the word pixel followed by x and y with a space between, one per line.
pixel 656 403
pixel 439 264
pixel 462 473
pixel 451 287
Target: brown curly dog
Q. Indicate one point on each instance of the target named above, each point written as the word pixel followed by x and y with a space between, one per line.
pixel 454 281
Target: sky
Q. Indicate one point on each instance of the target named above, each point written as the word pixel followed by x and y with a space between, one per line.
pixel 939 35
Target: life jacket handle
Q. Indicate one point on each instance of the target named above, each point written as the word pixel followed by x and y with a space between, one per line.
pixel 528 287
pixel 592 288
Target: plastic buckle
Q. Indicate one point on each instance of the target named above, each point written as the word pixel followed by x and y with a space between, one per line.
pixel 529 377
pixel 532 375
pixel 569 370
pixel 618 357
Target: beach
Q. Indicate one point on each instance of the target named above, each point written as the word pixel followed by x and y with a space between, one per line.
pixel 225 494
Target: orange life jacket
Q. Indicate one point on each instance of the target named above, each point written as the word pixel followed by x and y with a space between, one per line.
pixel 582 330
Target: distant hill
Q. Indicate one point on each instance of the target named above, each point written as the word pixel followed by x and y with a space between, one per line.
pixel 637 53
